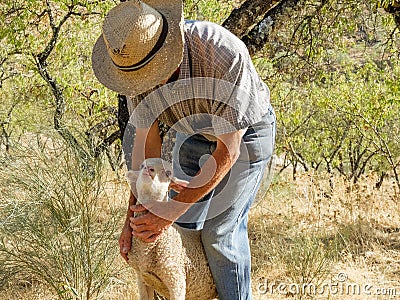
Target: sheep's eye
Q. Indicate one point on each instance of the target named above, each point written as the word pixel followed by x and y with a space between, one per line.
pixel 168 173
pixel 141 166
pixel 151 169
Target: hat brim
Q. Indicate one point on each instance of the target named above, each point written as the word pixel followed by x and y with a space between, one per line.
pixel 164 63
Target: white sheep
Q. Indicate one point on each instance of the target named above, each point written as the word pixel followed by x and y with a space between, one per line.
pixel 175 265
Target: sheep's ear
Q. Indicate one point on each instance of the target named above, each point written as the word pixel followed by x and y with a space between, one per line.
pixel 178 184
pixel 132 176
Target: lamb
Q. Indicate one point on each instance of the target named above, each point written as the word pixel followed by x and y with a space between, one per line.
pixel 175 265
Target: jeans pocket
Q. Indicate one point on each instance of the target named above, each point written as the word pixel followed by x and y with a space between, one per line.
pixel 259 140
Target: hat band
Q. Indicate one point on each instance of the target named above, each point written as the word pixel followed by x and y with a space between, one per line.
pixel 157 47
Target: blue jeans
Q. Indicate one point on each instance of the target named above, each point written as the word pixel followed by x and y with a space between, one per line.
pixel 222 215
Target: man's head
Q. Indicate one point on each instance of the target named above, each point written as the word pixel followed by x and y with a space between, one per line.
pixel 141 45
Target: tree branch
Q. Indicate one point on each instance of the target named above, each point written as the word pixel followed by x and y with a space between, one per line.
pixel 106 143
pixel 101 126
pixel 60 110
pixel 258 36
pixel 5 125
pixel 41 63
pixel 394 10
pixel 42 57
pixel 242 19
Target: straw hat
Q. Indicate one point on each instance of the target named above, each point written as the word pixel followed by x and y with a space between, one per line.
pixel 141 45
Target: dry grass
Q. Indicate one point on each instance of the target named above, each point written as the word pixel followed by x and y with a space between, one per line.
pixel 302 234
pixel 335 241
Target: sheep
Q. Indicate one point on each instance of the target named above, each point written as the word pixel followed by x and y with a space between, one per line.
pixel 175 265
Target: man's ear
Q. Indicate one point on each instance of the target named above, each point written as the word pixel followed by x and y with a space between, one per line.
pixel 177 184
pixel 132 176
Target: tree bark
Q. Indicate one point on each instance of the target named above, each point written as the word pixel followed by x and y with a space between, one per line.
pixel 243 18
pixel 258 36
pixel 394 10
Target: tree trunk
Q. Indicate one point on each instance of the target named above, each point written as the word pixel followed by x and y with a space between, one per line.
pixel 258 36
pixel 394 9
pixel 243 18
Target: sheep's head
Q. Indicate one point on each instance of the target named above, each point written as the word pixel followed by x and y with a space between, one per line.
pixel 153 180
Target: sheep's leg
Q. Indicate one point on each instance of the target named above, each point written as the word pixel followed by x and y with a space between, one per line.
pixel 177 295
pixel 145 292
pixel 177 292
pixel 175 281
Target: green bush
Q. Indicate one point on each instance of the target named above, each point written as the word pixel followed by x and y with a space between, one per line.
pixel 59 223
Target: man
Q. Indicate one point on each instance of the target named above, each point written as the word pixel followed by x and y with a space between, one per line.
pixel 197 78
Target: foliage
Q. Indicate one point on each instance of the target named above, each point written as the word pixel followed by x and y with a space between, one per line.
pixel 209 10
pixel 386 3
pixel 58 224
pixel 308 64
pixel 46 72
pixel 334 73
pixel 362 130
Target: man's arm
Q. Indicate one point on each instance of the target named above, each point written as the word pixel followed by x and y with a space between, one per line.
pixel 150 226
pixel 214 169
pixel 147 144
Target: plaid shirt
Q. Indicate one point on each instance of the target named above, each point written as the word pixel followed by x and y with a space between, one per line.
pixel 218 90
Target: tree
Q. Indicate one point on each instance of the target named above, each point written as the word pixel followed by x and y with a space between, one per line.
pixel 38 41
pixel 297 45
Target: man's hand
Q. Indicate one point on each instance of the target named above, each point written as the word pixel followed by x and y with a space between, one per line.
pixel 148 227
pixel 160 215
pixel 125 241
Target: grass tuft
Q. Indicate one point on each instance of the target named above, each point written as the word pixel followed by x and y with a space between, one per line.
pixel 59 223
